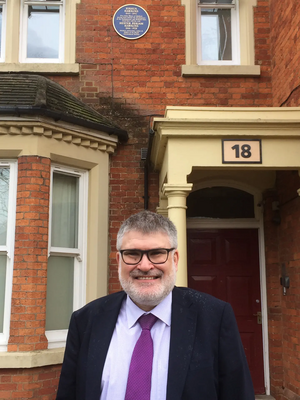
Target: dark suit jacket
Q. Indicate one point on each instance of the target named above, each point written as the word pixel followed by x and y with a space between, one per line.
pixel 206 362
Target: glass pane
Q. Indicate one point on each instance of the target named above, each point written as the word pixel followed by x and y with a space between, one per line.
pixel 41 42
pixel 216 34
pixel 4 187
pixel 2 289
pixel 59 306
pixel 65 199
pixel 220 202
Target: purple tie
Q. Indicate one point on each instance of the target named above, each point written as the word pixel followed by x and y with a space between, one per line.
pixel 140 370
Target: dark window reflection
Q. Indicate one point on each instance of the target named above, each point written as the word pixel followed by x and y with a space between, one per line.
pixel 220 202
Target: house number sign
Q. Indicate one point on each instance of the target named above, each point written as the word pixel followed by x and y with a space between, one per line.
pixel 247 151
pixel 131 21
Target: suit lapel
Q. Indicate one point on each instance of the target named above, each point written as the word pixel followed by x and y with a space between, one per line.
pixel 183 329
pixel 101 333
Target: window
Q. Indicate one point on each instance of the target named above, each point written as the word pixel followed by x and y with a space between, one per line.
pixel 37 43
pixel 46 38
pixel 2 29
pixel 67 254
pixel 218 32
pixel 220 202
pixel 8 188
pixel 219 38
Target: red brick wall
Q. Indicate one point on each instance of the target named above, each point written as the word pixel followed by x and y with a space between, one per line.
pixel 33 383
pixel 273 293
pixel 285 46
pixel 146 73
pixel 289 253
pixel 282 246
pixel 28 313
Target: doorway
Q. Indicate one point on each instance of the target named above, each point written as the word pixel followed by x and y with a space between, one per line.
pixel 225 264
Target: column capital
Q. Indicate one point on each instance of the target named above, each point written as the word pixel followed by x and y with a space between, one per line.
pixel 183 189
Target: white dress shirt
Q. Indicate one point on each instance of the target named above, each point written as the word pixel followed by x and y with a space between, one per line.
pixel 126 333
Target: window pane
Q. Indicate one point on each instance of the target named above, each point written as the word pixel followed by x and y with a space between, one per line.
pixel 4 186
pixel 59 306
pixel 41 42
pixel 2 289
pixel 65 198
pixel 216 34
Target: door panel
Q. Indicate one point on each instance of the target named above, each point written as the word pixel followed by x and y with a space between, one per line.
pixel 225 264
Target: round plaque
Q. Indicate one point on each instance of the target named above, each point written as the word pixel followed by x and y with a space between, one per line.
pixel 131 21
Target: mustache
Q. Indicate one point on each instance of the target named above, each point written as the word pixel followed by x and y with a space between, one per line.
pixel 137 274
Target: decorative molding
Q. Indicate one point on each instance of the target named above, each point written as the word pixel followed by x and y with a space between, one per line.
pixel 86 138
pixel 177 194
pixel 181 190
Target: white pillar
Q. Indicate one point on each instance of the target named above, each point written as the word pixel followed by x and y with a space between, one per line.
pixel 177 195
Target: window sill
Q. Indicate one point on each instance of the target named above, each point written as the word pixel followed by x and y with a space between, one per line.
pixel 233 70
pixel 47 68
pixel 31 359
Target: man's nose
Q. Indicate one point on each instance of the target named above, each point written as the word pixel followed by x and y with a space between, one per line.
pixel 145 264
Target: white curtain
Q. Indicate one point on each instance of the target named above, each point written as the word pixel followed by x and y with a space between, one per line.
pixel 64 226
pixel 216 35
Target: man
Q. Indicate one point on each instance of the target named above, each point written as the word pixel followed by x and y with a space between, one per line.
pixel 197 351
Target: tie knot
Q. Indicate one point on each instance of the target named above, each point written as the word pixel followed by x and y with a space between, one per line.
pixel 147 321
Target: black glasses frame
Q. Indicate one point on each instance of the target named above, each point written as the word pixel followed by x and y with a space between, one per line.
pixel 147 254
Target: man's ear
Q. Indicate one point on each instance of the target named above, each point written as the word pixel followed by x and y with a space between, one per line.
pixel 118 257
pixel 176 258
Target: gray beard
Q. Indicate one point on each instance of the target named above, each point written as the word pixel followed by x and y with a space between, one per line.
pixel 149 299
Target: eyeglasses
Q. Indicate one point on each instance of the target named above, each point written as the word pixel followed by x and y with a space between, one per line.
pixel 155 256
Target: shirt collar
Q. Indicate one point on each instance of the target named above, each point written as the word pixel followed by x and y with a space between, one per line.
pixel 162 311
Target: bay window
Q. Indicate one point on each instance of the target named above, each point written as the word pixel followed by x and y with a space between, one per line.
pixel 8 187
pixel 67 250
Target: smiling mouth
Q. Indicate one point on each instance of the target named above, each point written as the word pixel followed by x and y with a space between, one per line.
pixel 146 278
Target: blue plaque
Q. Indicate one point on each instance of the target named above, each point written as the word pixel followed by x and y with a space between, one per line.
pixel 131 21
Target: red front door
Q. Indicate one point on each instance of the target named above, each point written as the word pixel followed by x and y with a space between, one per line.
pixel 225 264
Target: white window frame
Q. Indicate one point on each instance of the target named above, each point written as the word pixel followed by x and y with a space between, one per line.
pixel 3 30
pixel 235 33
pixel 8 249
pixel 57 338
pixel 23 31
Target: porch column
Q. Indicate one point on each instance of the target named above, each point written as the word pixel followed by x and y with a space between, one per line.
pixel 177 195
